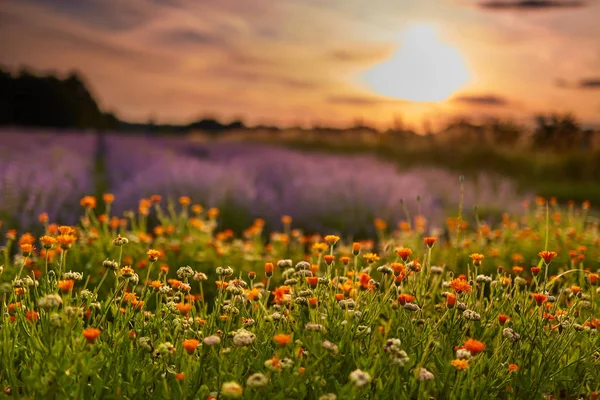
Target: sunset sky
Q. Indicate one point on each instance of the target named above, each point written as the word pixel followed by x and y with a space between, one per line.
pixel 327 61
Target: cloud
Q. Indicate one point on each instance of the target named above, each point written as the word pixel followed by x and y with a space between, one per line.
pixel 525 5
pixel 482 100
pixel 360 100
pixel 589 83
pixel 585 83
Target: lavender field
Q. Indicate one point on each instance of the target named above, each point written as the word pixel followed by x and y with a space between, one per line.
pixel 48 172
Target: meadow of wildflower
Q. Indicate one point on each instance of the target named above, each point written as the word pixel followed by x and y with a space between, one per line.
pixel 111 308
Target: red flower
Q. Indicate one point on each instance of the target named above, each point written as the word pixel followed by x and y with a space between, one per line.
pixel 547 255
pixel 405 298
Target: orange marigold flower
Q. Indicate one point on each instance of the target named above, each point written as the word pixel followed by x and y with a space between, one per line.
pixel 27 248
pixel 88 202
pixel 312 280
pixel 474 346
pixel 477 258
pixel 184 308
pixel 502 319
pixel 345 260
pixel 108 198
pixel 43 218
pixel 320 247
pixel 313 302
pixel 153 255
pixel 32 315
pixel 213 212
pixel 547 256
pixel 180 377
pixel 91 334
pixel 593 279
pixel 460 364
pixel 460 285
pixel 339 296
pixel 539 298
pixel 332 239
pixel 380 224
pixel 430 241
pixel 404 253
pixel 184 201
pixel 156 285
pixel 66 285
pixel 282 339
pixel 513 368
pixel 329 259
pixel 535 271
pixel 355 248
pixel 66 241
pixel 450 300
pixel 371 257
pixel 517 270
pixel 126 272
pixel 269 269
pixel 405 298
pixel 286 219
pixel 190 345
pixel 575 289
pixel 253 294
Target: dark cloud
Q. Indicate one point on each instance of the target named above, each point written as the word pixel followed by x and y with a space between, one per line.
pixel 484 100
pixel 523 5
pixel 590 83
pixel 586 83
pixel 356 56
pixel 105 14
pixel 246 77
pixel 360 101
pixel 188 37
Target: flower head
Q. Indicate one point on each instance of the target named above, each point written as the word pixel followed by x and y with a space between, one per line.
pixel 547 256
pixel 190 345
pixel 460 364
pixel 282 339
pixel 477 258
pixel 474 346
pixel 460 285
pixel 91 334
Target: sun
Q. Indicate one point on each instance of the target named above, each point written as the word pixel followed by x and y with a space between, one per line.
pixel 424 69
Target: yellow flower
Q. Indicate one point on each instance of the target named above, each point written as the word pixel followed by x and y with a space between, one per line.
pixel 460 364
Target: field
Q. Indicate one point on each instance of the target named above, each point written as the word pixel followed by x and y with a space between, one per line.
pixel 154 268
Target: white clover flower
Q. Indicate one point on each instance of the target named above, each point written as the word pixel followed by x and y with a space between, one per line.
pixel 463 354
pixel 331 347
pixel 400 358
pixel 257 381
pixel 425 375
pixel 200 276
pixel 411 307
pixel 185 272
pixel 212 340
pixel 471 315
pixel 50 301
pixel 243 338
pixel 314 327
pixel 76 276
pixel 360 378
pixel 510 334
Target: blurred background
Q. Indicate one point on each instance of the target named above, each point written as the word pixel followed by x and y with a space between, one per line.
pixel 334 112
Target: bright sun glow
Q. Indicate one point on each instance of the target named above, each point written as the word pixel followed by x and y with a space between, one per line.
pixel 423 69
